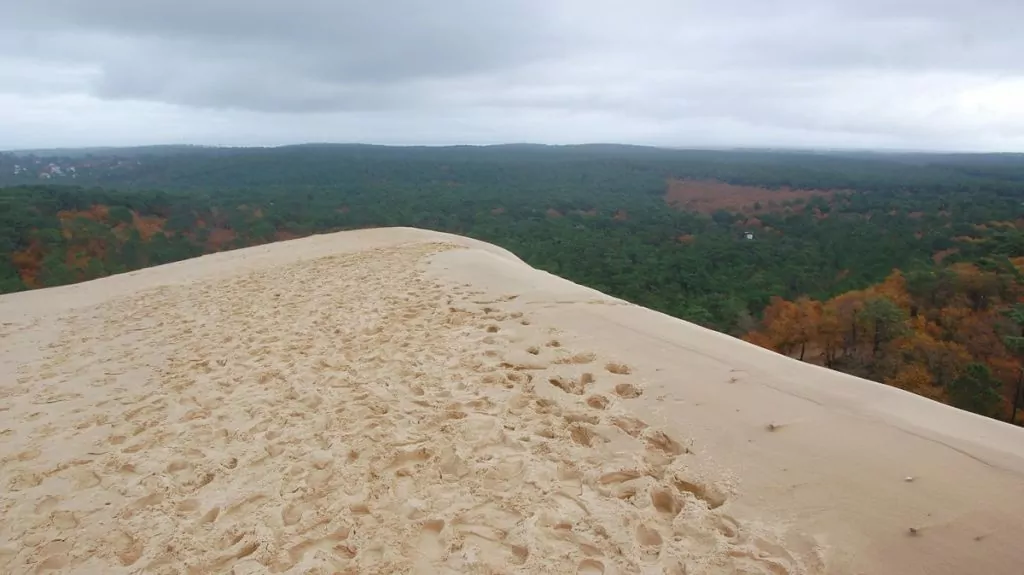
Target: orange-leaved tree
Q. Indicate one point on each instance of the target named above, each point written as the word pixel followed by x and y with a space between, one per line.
pixel 788 326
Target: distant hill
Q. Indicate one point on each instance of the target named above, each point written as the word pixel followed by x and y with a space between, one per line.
pixel 121 152
pixel 198 167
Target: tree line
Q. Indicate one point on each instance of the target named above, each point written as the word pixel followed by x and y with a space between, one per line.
pixel 952 333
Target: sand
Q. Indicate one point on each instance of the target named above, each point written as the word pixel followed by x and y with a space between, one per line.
pixel 402 401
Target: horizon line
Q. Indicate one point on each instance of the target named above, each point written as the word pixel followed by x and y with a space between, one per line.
pixel 737 148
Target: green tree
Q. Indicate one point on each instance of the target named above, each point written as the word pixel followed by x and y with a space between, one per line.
pixel 120 215
pixel 975 390
pixel 1015 343
pixel 884 321
pixel 54 270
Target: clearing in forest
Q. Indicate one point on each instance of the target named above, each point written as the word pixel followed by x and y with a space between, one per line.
pixel 708 196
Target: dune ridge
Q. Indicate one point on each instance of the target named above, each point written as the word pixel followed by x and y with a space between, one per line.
pixel 401 401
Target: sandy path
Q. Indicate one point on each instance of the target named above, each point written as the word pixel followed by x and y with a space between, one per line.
pixel 346 414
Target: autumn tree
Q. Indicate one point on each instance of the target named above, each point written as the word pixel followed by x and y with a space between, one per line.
pixel 894 288
pixel 790 326
pixel 829 334
pixel 980 289
pixel 842 313
pixel 944 360
pixel 915 378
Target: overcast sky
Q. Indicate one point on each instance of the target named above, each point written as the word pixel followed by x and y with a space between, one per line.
pixel 917 74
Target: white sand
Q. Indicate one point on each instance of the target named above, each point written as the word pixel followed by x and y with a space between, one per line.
pixel 400 401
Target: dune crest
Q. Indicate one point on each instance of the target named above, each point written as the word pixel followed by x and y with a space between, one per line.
pixel 383 405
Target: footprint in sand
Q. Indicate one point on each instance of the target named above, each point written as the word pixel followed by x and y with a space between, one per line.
pixel 47 504
pixel 292 513
pixel 665 502
pixel 649 540
pixel 64 520
pixel 628 391
pixel 618 368
pixel 582 434
pixel 598 402
pixel 429 544
pixel 142 503
pixel 28 455
pixel 661 441
pixel 706 493
pixel 52 563
pixel 573 386
pixel 629 425
pixel 126 548
pixel 728 527
pixel 210 516
pixel 570 386
pixel 334 548
pixel 577 358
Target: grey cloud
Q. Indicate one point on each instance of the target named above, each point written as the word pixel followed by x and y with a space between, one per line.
pixel 259 52
pixel 895 72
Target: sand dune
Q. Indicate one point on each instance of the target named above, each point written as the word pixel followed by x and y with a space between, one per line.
pixel 401 401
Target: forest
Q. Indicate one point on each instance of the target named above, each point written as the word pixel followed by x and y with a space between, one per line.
pixel 902 268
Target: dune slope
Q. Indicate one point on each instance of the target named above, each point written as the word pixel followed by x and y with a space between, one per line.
pixel 402 401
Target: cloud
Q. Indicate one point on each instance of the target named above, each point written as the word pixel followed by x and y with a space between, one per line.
pixel 285 56
pixel 904 73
